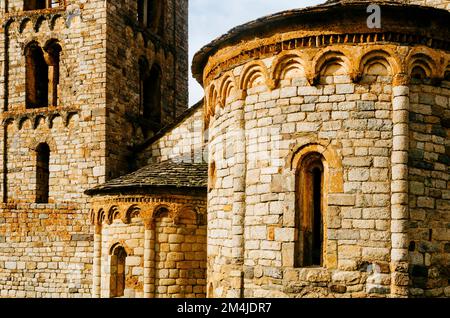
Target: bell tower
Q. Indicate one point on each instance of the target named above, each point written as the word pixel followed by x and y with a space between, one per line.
pixel 81 83
pixel 147 71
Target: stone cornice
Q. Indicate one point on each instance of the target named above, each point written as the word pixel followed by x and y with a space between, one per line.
pixel 219 65
pixel 107 209
pixel 312 27
pixel 34 115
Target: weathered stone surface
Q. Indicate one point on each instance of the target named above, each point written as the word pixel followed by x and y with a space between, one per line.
pixel 272 126
pixel 341 199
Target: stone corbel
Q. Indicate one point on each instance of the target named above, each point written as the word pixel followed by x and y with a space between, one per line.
pixel 401 79
pixel 176 220
pixel 174 212
pixel 356 76
pixel 149 224
pixel 50 119
pixel 241 94
pixel 21 121
pixel 313 78
pixel 65 118
pixel 271 83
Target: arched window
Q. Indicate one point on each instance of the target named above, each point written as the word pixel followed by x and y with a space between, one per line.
pixel 36 77
pixel 310 229
pixel 150 93
pixel 42 74
pixel 41 4
pixel 152 105
pixel 161 212
pixel 150 15
pixel 42 173
pixel 53 52
pixel 117 271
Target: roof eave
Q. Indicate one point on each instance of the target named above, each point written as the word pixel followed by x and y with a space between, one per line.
pixel 141 189
pixel 232 37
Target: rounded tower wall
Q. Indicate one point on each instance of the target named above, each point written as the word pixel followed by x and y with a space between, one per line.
pixel 346 96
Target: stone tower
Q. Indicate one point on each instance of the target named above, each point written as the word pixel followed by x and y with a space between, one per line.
pixel 81 82
pixel 329 153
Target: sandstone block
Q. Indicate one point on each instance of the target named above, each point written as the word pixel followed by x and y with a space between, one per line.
pixel 340 199
pixel 284 234
pixel 345 89
pixel 133 261
pixel 349 278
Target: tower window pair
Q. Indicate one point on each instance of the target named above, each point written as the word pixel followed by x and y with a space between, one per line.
pixel 42 74
pixel 150 15
pixel 40 4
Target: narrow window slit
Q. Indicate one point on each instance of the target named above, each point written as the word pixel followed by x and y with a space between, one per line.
pixel 42 173
pixel 309 241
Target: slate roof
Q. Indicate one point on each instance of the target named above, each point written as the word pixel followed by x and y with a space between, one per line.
pixel 167 174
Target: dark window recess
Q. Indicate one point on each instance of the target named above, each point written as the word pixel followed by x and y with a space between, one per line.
pixel 42 173
pixel 418 73
pixel 41 4
pixel 42 74
pixel 118 269
pixel 150 96
pixel 150 15
pixel 317 219
pixel 309 243
pixel 36 77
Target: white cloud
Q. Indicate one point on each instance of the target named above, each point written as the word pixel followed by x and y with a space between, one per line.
pixel 209 19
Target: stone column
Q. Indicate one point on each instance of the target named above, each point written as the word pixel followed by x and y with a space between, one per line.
pixel 105 265
pixel 399 191
pixel 238 209
pixel 97 266
pixel 149 259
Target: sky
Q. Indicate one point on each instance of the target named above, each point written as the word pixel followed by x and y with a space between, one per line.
pixel 209 19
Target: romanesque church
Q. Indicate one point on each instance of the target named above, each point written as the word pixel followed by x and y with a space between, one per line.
pixel 317 164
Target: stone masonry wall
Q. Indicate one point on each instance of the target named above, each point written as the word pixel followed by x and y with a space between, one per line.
pixel 429 196
pixel 84 152
pixel 181 259
pixel 355 120
pixel 166 248
pixel 132 237
pixel 266 115
pixel 46 249
pixel 185 142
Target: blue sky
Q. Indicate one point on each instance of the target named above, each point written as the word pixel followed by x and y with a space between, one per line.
pixel 209 19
